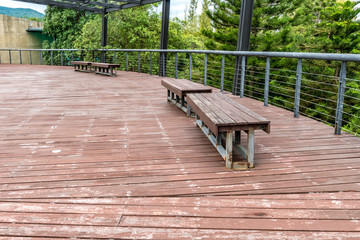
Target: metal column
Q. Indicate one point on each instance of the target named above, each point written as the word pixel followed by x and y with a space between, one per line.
pixel 243 42
pixel 104 32
pixel 164 35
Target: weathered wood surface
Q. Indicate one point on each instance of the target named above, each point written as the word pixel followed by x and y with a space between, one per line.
pixel 85 158
pixel 221 113
pixel 104 65
pixel 181 87
pixel 80 63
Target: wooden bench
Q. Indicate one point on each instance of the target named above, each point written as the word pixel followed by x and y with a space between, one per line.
pixel 82 66
pixel 105 68
pixel 178 88
pixel 219 116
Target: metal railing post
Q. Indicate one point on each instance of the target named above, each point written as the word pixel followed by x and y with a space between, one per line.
pixel 190 62
pixel 62 58
pixel 51 56
pixel 163 65
pixel 298 88
pixel 10 56
pixel 205 70
pixel 115 61
pixel 20 56
pixel 127 62
pixel 222 73
pixel 139 62
pixel 72 55
pixel 340 99
pixel 176 65
pixel 267 81
pixel 151 62
pixel 41 58
pixel 242 84
pixel 30 57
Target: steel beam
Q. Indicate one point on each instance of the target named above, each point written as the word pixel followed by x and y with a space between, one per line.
pixel 164 35
pixel 104 28
pixel 243 43
pixel 62 4
pixel 93 6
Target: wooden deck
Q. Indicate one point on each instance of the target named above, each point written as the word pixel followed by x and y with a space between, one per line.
pixel 88 156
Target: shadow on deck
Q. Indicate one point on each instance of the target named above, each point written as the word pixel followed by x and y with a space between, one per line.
pixel 88 156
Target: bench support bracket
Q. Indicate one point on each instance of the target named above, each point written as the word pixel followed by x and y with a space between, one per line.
pixel 177 101
pixel 230 145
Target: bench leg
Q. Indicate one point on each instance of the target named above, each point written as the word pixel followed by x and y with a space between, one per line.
pixel 229 148
pixel 250 147
pixel 188 113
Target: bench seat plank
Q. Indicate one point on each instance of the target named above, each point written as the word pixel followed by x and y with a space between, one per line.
pixel 244 110
pixel 182 86
pixel 227 109
pixel 105 65
pixel 80 63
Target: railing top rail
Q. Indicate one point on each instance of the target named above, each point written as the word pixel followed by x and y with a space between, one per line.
pixel 296 55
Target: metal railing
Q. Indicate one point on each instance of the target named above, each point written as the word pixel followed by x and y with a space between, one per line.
pixel 322 86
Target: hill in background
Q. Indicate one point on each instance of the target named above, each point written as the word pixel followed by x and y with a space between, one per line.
pixel 21 12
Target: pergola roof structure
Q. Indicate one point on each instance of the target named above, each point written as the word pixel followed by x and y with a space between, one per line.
pixel 94 6
pixel 105 6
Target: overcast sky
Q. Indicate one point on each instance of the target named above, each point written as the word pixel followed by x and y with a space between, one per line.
pixel 177 8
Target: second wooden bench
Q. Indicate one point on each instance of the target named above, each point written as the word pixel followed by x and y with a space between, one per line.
pixel 105 68
pixel 178 88
pixel 81 66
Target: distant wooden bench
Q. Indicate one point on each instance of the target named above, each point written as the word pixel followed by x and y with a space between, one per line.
pixel 219 116
pixel 81 66
pixel 178 88
pixel 105 68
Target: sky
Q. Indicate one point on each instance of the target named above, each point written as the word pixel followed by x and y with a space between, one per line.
pixel 177 7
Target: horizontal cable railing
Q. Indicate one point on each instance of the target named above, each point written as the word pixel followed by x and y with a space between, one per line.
pixel 322 86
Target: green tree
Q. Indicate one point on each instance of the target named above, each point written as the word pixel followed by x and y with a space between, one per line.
pixel 339 29
pixel 133 28
pixel 204 20
pixel 283 25
pixel 64 25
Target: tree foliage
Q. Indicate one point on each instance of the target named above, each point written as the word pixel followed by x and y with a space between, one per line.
pixel 295 26
pixel 64 25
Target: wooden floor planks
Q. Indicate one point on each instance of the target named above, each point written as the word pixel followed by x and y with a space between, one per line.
pixel 88 156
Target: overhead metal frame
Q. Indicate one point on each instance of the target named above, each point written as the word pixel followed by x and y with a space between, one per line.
pixel 105 6
pixel 94 6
